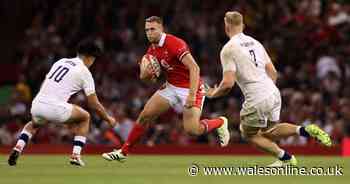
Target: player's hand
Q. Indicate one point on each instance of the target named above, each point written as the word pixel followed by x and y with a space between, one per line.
pixel 190 101
pixel 111 121
pixel 149 68
pixel 209 91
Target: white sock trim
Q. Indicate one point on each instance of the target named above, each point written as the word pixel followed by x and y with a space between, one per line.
pixel 298 130
pixel 20 145
pixel 80 138
pixel 27 133
pixel 281 153
pixel 77 150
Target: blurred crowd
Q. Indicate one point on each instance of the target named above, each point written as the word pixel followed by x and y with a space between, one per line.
pixel 308 41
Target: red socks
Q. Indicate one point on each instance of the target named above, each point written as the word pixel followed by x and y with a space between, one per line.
pixel 138 130
pixel 211 124
pixel 135 134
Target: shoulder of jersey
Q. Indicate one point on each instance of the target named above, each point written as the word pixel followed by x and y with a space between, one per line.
pixel 253 39
pixel 65 59
pixel 61 60
pixel 171 38
pixel 232 44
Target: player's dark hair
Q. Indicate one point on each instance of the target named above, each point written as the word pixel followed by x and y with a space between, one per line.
pixel 157 19
pixel 89 48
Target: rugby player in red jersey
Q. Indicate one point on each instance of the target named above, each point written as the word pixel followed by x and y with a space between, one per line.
pixel 183 87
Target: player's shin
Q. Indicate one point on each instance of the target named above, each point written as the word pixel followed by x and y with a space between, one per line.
pixel 267 145
pixel 135 134
pixel 211 124
pixel 79 140
pixel 25 136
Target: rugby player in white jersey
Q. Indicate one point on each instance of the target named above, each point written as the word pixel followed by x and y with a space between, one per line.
pixel 65 78
pixel 246 61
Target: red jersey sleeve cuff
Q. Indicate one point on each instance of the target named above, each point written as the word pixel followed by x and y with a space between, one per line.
pixel 183 54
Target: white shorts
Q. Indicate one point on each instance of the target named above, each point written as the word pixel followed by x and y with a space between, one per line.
pixel 58 112
pixel 177 96
pixel 267 110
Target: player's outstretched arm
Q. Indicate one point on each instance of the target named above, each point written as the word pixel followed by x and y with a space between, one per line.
pixel 225 86
pixel 271 71
pixel 194 70
pixel 95 104
pixel 228 77
pixel 270 68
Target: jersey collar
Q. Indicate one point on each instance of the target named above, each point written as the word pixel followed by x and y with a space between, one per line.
pixel 162 40
pixel 79 60
pixel 237 35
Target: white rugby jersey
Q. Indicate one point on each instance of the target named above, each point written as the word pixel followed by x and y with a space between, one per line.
pixel 65 78
pixel 247 58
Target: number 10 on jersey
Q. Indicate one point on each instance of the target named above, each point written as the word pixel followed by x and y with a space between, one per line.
pixel 59 73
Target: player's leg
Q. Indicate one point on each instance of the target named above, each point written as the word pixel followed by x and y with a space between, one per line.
pixel 192 123
pixel 38 119
pixel 194 126
pixel 154 107
pixel 254 136
pixel 254 121
pixel 279 130
pixel 26 134
pixel 284 130
pixel 79 120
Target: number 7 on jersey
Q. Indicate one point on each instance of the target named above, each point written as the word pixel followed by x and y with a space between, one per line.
pixel 252 54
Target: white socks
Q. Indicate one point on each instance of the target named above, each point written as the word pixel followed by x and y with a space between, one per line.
pixel 23 139
pixel 281 153
pixel 298 130
pixel 79 142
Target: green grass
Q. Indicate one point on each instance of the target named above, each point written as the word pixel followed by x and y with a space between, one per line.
pixel 54 169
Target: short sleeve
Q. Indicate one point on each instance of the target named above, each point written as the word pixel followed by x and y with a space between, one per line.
pixel 88 82
pixel 178 48
pixel 227 59
pixel 265 56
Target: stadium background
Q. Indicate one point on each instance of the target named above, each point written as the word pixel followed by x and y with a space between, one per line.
pixel 308 41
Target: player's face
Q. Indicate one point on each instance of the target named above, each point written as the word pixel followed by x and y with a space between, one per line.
pixel 153 31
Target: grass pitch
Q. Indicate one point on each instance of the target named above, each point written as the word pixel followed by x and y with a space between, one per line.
pixel 55 169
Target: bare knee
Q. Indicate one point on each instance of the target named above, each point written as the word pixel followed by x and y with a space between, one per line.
pixel 86 119
pixel 82 124
pixel 35 126
pixel 270 135
pixel 86 115
pixel 251 138
pixel 146 117
pixel 192 131
pixel 32 126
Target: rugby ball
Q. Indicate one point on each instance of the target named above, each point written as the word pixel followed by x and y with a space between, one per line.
pixel 151 66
